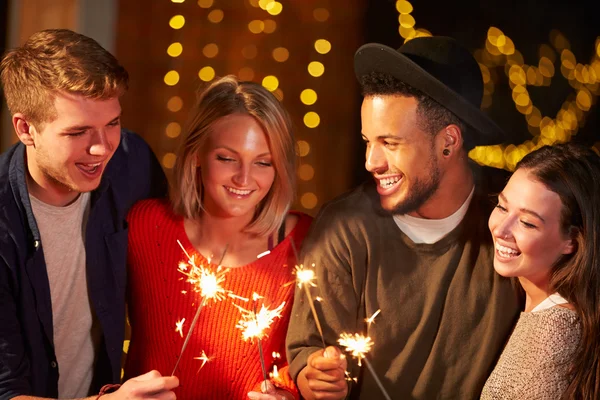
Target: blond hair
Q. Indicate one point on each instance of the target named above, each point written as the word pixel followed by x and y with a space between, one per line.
pixel 54 61
pixel 227 96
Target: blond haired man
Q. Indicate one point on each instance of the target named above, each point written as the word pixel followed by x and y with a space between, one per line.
pixel 65 190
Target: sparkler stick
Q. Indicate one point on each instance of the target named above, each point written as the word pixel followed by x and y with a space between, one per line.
pixel 306 277
pixel 260 349
pixel 209 289
pixel 359 346
pixel 385 394
pixel 254 325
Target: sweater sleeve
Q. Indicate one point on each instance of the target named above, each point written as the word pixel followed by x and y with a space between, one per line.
pixel 332 247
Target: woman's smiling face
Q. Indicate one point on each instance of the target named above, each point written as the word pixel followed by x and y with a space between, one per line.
pixel 526 228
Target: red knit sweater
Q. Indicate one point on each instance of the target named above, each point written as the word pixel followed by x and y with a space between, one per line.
pixel 156 303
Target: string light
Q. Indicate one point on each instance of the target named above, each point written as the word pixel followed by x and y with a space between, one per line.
pixel 308 97
pixel 306 172
pixel 316 69
pixel 500 51
pixel 168 160
pixel 309 200
pixel 320 14
pixel 302 148
pixel 281 54
pixel 206 74
pixel 274 8
pixel 322 46
pixel 172 78
pixel 216 16
pixel 175 104
pixel 246 74
pixel 175 49
pixel 312 119
pixel 173 130
pixel 177 22
pixel 270 82
pixel 210 50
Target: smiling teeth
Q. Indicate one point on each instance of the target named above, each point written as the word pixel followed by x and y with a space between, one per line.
pixel 239 192
pixel 506 251
pixel 388 182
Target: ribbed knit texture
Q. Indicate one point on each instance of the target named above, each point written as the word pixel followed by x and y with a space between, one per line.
pixel 536 360
pixel 157 302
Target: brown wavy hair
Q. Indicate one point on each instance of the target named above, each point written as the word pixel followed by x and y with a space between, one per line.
pixel 573 172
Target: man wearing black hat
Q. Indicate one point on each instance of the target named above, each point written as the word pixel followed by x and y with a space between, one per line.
pixel 413 244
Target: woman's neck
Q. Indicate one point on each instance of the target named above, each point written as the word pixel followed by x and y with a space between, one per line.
pixel 535 292
pixel 213 236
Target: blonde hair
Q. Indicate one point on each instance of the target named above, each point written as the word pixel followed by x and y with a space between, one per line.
pixel 227 96
pixel 54 61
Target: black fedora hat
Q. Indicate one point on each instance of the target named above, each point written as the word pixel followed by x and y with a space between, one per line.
pixel 442 69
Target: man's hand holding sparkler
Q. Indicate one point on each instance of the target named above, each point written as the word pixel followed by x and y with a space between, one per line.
pixel 324 376
pixel 151 385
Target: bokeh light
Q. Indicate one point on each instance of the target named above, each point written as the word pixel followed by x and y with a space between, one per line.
pixel 175 49
pixel 316 68
pixel 308 97
pixel 206 74
pixel 322 46
pixel 312 119
pixel 177 22
pixel 171 78
pixel 270 82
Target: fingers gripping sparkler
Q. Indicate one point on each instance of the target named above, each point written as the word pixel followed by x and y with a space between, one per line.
pixel 207 283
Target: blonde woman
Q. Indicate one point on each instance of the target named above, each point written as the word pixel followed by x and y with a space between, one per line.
pixel 232 189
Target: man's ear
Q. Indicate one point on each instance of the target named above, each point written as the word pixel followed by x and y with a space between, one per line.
pixel 453 138
pixel 24 129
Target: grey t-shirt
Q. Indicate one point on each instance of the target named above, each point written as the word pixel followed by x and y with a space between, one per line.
pixel 76 330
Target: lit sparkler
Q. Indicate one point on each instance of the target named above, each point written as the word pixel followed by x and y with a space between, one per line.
pixel 205 282
pixel 305 277
pixel 359 345
pixel 254 325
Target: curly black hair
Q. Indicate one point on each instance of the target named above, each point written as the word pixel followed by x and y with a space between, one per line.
pixel 432 116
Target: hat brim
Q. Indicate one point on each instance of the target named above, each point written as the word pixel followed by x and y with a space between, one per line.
pixel 373 57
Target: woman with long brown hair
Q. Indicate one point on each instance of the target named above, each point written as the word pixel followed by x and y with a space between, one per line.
pixel 546 230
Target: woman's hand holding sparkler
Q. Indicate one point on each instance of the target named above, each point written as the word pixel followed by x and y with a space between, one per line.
pixel 151 385
pixel 324 376
pixel 270 392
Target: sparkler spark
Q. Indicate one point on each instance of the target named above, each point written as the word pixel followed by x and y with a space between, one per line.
pixel 305 276
pixel 254 324
pixel 275 373
pixel 179 326
pixel 357 345
pixel 204 358
pixel 372 318
pixel 204 281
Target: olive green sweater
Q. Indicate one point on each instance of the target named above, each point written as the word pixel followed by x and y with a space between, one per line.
pixel 445 314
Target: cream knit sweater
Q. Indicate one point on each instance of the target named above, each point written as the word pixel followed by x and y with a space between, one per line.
pixel 536 360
